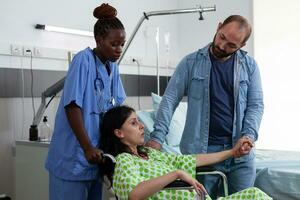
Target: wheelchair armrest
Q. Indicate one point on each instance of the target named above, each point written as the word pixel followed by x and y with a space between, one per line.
pixel 178 184
pixel 205 169
pixel 209 170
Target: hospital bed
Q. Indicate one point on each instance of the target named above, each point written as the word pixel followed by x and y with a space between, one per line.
pixel 278 172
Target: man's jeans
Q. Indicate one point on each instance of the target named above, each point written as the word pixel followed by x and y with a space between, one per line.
pixel 239 175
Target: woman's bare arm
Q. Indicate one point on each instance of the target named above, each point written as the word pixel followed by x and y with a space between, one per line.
pixel 147 188
pixel 242 147
pixel 212 158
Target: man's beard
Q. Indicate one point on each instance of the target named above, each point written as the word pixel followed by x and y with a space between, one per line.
pixel 219 53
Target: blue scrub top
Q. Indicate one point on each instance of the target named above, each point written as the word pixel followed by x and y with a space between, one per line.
pixel 93 94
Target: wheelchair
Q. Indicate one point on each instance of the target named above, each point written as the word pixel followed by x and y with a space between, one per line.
pixel 177 184
pixel 200 171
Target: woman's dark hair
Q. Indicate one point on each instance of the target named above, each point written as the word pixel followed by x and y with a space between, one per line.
pixel 107 20
pixel 109 143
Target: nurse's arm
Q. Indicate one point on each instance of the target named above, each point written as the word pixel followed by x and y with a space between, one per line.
pixel 74 115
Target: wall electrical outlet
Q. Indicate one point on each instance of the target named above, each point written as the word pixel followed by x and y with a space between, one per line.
pixel 37 52
pixel 16 50
pixel 28 51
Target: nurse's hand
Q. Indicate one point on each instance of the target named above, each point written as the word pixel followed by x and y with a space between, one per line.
pixel 93 155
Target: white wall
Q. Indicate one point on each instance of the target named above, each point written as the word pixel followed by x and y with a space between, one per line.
pixel 277 40
pixel 17 19
pixel 20 17
pixel 195 34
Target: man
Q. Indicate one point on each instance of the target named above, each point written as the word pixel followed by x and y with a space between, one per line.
pixel 225 103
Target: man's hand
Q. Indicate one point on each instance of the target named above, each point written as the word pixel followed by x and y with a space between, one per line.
pixel 153 144
pixel 242 147
pixel 93 155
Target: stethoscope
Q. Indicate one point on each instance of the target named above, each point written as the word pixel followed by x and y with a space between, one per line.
pixel 99 85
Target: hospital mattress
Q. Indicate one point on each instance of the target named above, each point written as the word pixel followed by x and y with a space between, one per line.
pixel 278 174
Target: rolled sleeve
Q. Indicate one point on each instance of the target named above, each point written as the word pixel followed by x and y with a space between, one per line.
pixel 76 80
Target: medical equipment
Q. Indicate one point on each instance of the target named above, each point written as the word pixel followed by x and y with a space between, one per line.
pixel 99 86
pixel 199 9
pixel 157 59
pixel 139 82
pixel 167 45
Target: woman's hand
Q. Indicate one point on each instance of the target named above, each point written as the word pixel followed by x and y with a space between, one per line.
pixel 242 147
pixel 93 155
pixel 199 188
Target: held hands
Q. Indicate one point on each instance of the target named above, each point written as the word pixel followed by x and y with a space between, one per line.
pixel 93 155
pixel 198 187
pixel 242 147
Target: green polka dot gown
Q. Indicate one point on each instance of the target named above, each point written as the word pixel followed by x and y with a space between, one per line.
pixel 248 194
pixel 131 170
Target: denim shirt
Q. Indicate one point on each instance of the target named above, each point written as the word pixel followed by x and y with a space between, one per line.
pixel 191 78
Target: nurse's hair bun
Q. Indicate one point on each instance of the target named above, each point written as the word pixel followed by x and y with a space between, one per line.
pixel 105 11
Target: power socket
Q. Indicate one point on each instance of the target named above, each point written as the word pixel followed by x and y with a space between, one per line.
pixel 37 52
pixel 16 50
pixel 28 51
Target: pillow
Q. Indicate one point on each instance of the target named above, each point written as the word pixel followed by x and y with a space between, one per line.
pixel 176 127
pixel 147 118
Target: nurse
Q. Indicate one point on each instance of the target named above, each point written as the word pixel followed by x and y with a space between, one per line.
pixel 92 86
